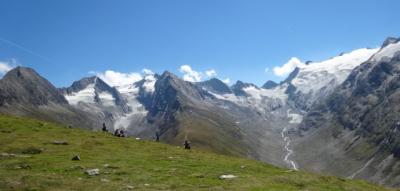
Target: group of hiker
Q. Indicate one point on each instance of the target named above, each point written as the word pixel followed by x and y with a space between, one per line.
pixel 117 132
pixel 121 133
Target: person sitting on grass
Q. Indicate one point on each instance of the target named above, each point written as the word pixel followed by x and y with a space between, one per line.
pixel 187 144
pixel 121 133
pixel 117 133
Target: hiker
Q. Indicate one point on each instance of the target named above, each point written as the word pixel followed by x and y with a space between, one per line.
pixel 187 144
pixel 104 128
pixel 121 133
pixel 157 137
pixel 116 133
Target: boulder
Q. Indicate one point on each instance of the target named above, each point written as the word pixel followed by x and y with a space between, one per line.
pixel 92 172
pixel 76 158
pixel 227 176
pixel 60 143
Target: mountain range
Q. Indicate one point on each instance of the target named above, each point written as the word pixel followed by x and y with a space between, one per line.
pixel 339 116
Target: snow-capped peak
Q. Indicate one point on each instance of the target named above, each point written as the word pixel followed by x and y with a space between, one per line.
pixel 315 76
pixel 387 51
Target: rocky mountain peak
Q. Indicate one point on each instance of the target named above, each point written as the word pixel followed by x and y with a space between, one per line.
pixel 292 75
pixel 216 86
pixel 390 40
pixel 270 84
pixel 238 87
pixel 24 85
pixel 21 73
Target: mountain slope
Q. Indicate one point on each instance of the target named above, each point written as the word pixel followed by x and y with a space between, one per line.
pixel 24 92
pixel 358 123
pixel 31 162
pixel 23 85
pixel 181 110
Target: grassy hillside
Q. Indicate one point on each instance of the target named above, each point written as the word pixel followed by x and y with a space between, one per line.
pixel 128 164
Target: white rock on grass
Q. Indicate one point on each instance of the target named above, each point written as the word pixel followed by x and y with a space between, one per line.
pixel 227 176
pixel 93 172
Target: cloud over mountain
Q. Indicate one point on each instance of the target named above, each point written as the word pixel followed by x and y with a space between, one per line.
pixel 288 67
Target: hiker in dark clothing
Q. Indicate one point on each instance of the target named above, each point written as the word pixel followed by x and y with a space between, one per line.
pixel 157 137
pixel 116 132
pixel 104 129
pixel 187 144
pixel 121 133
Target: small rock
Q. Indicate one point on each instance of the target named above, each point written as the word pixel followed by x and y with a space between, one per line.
pixel 130 187
pixel 32 150
pixel 24 166
pixel 227 176
pixel 7 155
pixel 109 166
pixel 137 138
pixel 170 157
pixel 60 143
pixel 242 167
pixel 146 184
pixel 76 157
pixel 93 172
pixel 23 156
pixel 104 180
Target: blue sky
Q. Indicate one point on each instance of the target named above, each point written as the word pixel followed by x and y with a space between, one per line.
pixel 66 40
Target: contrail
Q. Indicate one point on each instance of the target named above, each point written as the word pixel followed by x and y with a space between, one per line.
pixel 25 49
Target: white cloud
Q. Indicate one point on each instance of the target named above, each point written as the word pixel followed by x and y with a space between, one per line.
pixel 6 66
pixel 227 81
pixel 288 67
pixel 211 73
pixel 114 78
pixel 146 71
pixel 189 74
pixel 194 76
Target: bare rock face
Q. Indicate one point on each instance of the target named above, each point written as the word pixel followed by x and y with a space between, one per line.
pixel 215 85
pixel 270 84
pixel 171 95
pixel 24 85
pixel 24 92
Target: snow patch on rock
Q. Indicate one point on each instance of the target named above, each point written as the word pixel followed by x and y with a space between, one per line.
pixel 86 95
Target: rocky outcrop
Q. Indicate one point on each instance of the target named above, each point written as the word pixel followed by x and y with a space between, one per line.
pixel 215 85
pixel 270 84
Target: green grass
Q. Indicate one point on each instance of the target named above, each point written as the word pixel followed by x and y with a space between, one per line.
pixel 40 165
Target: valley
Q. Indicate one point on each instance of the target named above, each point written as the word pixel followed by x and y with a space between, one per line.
pixel 318 119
